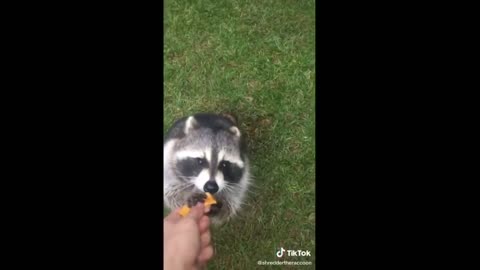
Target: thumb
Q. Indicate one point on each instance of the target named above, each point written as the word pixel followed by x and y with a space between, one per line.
pixel 174 216
pixel 196 212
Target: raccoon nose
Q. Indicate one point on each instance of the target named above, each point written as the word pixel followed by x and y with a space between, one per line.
pixel 211 186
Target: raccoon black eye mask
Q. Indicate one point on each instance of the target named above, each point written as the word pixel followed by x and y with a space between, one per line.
pixel 192 167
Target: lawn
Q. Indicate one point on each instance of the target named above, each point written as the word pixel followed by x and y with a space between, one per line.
pixel 257 60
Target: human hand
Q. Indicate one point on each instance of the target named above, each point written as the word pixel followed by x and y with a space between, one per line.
pixel 187 240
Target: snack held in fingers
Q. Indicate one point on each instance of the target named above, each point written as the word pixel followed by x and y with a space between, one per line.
pixel 207 199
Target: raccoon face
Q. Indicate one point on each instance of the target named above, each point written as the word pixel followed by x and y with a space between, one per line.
pixel 209 158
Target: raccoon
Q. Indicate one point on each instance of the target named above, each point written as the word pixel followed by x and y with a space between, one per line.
pixel 206 153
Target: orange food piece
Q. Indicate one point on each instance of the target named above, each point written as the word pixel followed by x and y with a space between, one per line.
pixel 208 202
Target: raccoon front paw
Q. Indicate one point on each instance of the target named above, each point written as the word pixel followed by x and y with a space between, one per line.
pixel 196 198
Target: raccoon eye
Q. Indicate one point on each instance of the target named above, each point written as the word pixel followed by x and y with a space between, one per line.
pixel 224 164
pixel 200 161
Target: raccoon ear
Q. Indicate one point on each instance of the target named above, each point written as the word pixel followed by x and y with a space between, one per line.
pixel 190 124
pixel 230 117
pixel 235 131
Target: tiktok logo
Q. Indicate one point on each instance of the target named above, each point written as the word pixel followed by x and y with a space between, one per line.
pixel 280 252
pixel 294 253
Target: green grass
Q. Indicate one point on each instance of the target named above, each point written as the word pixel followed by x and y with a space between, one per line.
pixel 257 60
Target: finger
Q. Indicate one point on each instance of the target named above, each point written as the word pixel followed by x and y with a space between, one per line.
pixel 174 216
pixel 205 255
pixel 204 224
pixel 205 239
pixel 196 212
